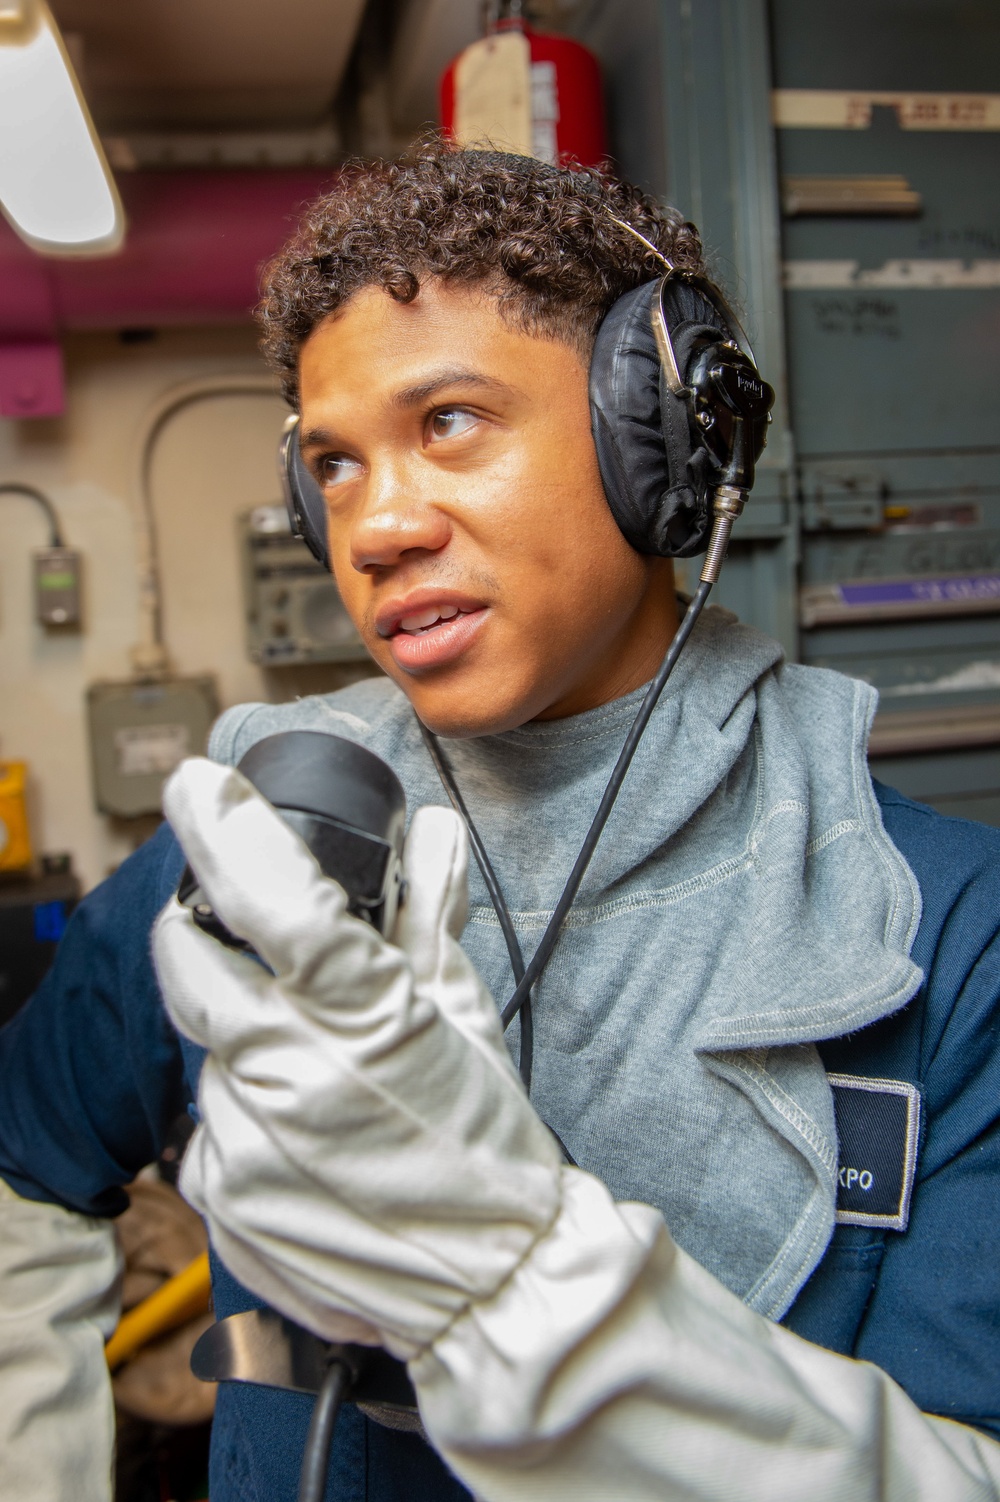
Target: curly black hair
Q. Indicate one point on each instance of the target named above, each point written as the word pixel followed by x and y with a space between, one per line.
pixel 542 240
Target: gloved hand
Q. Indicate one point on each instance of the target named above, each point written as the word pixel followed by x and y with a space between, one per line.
pixel 60 1278
pixel 367 1159
pixel 369 1164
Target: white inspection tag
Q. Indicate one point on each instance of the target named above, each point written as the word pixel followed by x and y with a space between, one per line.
pixel 493 94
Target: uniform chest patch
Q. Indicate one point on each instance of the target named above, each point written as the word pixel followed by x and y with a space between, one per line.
pixel 878 1123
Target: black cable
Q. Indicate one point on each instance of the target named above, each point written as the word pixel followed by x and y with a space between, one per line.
pixel 316 1456
pixel 55 531
pixel 525 1053
pixel 526 976
pixel 497 898
pixel 548 940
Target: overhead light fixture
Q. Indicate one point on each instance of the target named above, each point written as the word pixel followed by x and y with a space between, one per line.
pixel 55 185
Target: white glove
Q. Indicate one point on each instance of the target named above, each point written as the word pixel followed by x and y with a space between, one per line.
pixel 59 1281
pixel 366 1151
pixel 367 1161
pixel 589 1377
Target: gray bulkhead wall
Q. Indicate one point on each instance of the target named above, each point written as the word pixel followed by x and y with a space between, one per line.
pixel 872 541
pixel 893 324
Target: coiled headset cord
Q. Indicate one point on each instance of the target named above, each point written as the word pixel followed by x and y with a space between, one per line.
pixel 497 898
pixel 336 1382
pixel 525 976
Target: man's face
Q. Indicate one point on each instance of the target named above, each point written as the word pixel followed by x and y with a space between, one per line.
pixel 469 533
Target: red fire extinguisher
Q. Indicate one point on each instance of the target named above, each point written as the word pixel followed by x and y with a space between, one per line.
pixel 528 91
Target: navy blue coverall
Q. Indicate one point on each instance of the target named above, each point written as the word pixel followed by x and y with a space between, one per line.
pixel 92 1073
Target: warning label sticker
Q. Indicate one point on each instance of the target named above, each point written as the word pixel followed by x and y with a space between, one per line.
pixel 151 750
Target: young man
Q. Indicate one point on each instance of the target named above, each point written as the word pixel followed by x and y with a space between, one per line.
pixel 755 922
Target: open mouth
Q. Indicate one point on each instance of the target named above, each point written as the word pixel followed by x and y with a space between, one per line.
pixel 431 634
pixel 422 621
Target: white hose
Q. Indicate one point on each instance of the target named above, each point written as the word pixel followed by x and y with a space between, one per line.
pixel 149 656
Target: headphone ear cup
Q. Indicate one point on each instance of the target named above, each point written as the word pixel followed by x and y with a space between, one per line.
pixel 303 497
pixel 624 378
pixel 656 472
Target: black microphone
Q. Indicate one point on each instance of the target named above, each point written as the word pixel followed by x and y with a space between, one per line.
pixel 348 807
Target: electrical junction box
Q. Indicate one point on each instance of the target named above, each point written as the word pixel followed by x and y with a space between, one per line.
pixel 57 587
pixel 139 731
pixel 15 840
pixel 294 613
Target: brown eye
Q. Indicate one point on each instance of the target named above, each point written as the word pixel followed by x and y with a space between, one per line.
pixel 451 422
pixel 336 469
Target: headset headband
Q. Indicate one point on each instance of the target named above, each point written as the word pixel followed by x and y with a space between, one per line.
pixel 679 416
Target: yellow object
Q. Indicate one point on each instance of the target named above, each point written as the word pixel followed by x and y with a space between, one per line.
pixel 180 1299
pixel 15 840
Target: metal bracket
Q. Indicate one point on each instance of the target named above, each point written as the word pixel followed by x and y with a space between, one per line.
pixel 262 1346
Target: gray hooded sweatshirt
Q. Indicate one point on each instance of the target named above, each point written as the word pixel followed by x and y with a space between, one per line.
pixel 743 903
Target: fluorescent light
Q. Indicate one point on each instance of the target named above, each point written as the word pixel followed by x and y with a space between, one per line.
pixel 55 186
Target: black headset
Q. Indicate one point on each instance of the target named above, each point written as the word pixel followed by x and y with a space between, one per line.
pixel 677 409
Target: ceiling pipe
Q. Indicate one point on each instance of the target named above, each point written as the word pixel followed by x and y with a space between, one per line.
pixel 193 254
